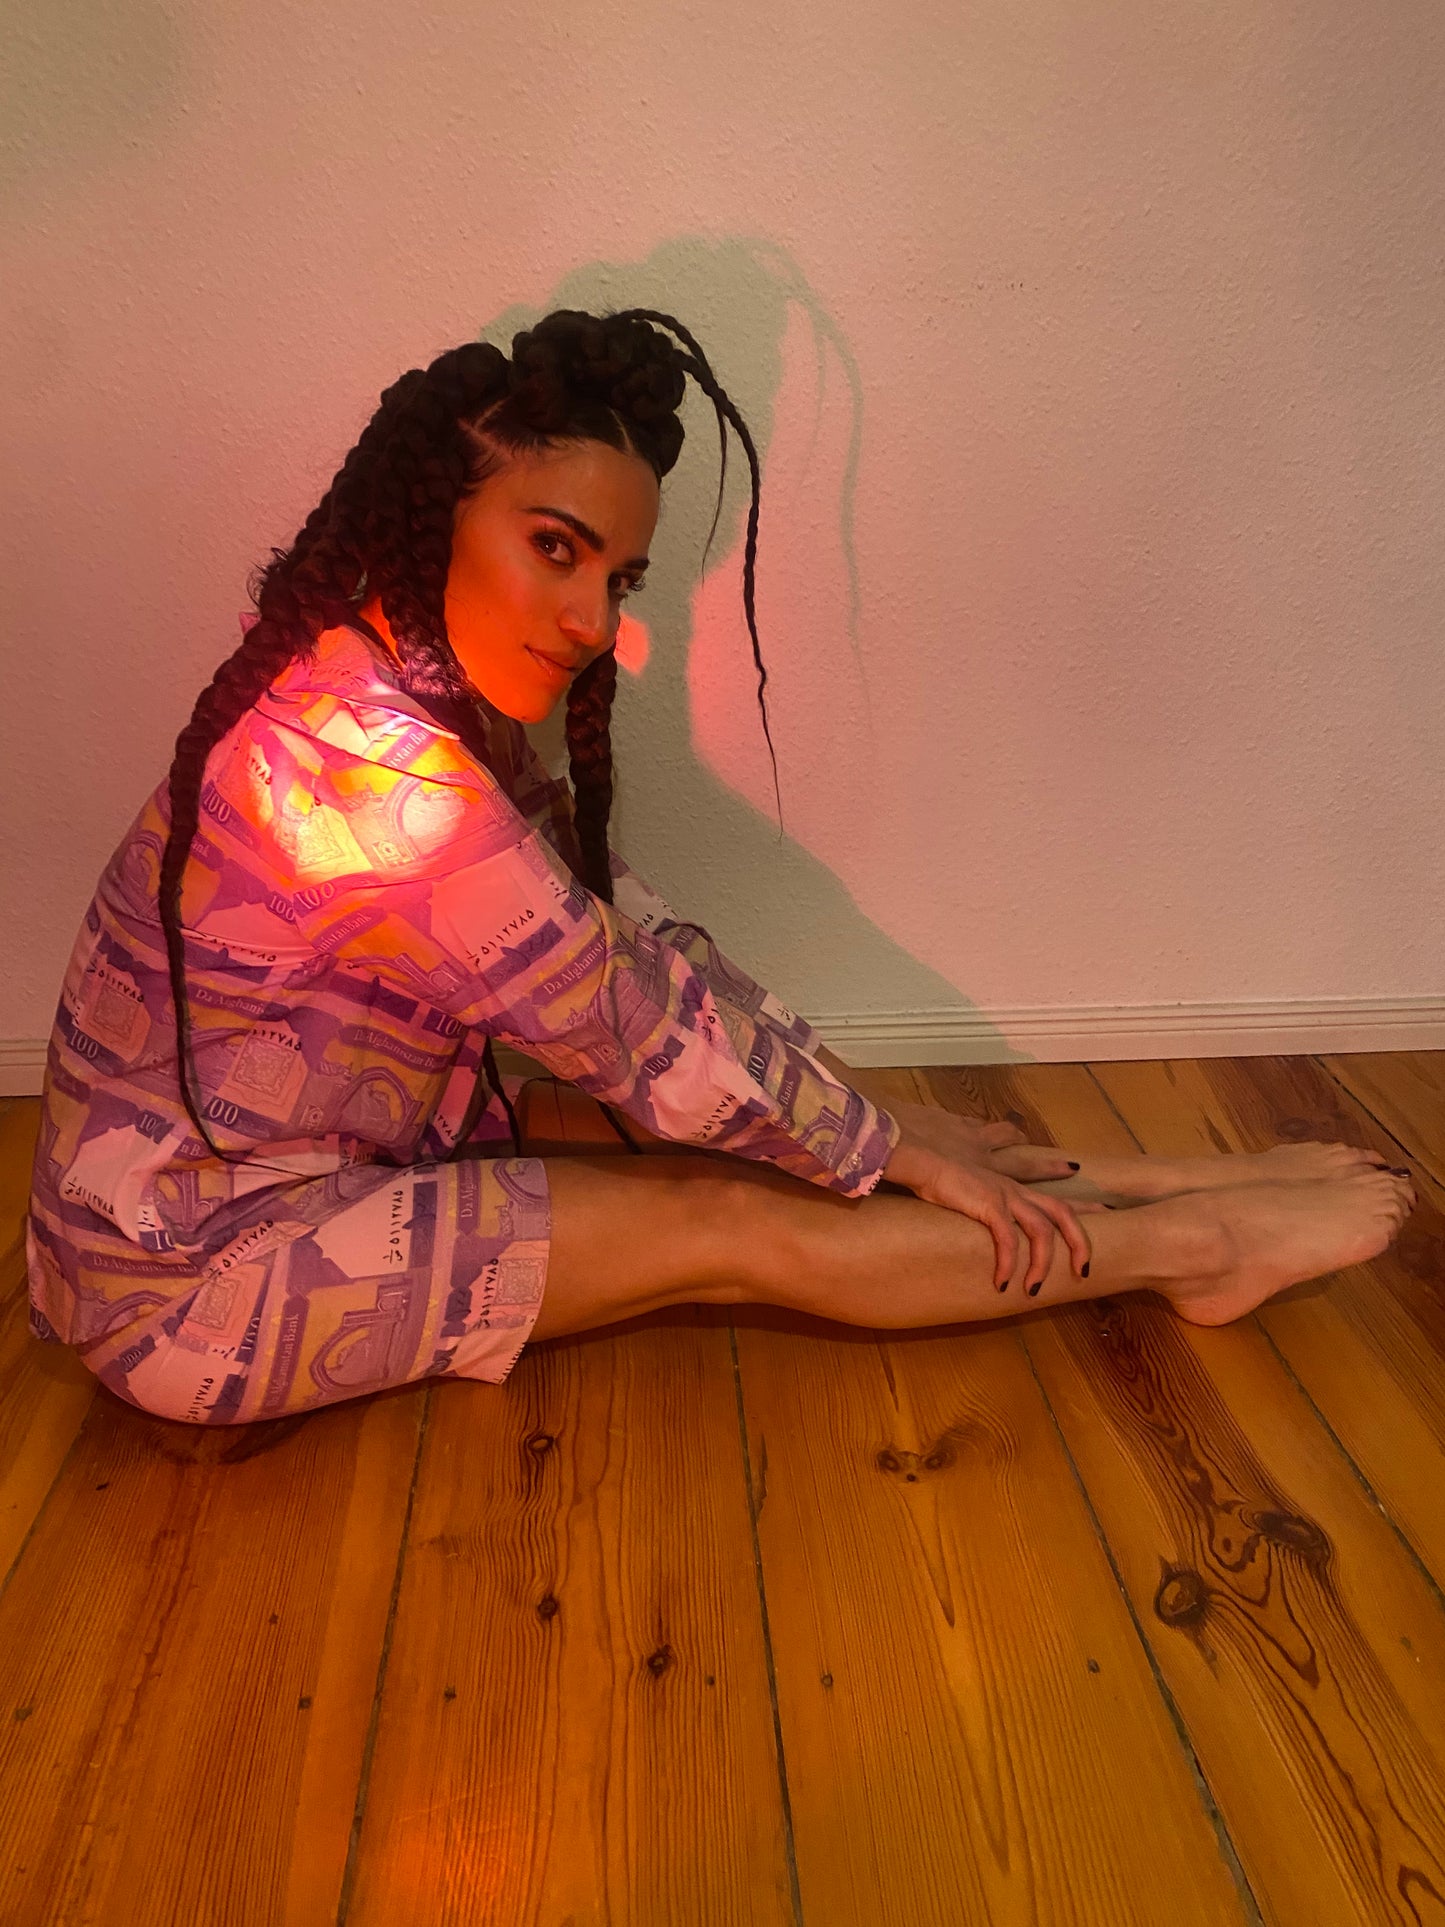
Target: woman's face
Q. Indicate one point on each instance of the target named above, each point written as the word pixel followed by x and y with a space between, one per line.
pixel 542 556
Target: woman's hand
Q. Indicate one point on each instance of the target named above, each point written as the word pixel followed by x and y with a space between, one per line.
pixel 996 1201
pixel 972 1140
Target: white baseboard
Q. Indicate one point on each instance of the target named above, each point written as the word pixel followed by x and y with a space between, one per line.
pixel 1103 1033
pixel 1069 1035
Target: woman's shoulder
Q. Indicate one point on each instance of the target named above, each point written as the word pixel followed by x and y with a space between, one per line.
pixel 344 699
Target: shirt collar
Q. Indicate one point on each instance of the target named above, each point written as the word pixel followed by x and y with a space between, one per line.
pixel 363 682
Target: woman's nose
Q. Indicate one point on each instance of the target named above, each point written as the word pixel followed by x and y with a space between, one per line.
pixel 585 617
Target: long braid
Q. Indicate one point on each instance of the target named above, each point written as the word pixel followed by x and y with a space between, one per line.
pixel 269 645
pixel 358 532
pixel 384 529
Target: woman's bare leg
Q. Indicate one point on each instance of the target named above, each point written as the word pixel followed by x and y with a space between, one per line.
pixel 632 1234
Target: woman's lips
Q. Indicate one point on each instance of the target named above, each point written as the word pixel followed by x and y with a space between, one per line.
pixel 556 668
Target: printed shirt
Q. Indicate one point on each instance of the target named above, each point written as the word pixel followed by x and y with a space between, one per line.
pixel 364 904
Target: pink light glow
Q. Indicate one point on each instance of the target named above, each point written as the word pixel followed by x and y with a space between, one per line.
pixel 634 645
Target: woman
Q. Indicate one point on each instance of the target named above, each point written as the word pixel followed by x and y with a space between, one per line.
pixel 277 1167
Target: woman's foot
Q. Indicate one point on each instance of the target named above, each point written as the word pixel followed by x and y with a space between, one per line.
pixel 1278 1235
pixel 1141 1180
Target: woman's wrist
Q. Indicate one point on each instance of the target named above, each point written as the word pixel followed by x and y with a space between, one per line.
pixel 910 1163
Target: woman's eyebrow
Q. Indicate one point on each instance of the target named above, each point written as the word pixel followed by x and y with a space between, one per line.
pixel 589 536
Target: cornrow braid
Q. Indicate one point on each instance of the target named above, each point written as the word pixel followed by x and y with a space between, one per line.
pixel 384 529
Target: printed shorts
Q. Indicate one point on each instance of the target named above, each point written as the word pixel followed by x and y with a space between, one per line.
pixel 427 1271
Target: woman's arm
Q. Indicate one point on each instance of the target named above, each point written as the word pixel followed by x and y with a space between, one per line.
pixel 474 912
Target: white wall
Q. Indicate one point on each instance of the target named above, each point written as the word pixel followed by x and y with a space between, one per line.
pixel 1095 358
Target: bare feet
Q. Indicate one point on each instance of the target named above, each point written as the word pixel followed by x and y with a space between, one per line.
pixel 1279 1235
pixel 1139 1180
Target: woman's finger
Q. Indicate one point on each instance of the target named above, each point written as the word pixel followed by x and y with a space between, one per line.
pixel 1074 1235
pixel 1040 1234
pixel 1006 1243
pixel 1030 1163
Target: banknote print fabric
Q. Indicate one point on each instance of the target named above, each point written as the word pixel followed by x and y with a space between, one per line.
pixel 364 905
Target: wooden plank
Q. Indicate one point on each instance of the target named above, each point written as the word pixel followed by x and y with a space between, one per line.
pixel 1404 1091
pixel 970 1724
pixel 576 1724
pixel 1368 1344
pixel 45 1391
pixel 19 1125
pixel 188 1660
pixel 1303 1649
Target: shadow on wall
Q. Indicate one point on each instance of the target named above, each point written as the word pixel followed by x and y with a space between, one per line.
pixel 794 925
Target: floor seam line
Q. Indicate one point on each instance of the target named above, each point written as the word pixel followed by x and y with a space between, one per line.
pixel 363 1784
pixel 788 1841
pixel 1228 1851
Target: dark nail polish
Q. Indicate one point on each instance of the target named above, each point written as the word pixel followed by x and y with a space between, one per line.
pixel 1034 1288
pixel 1072 1165
pixel 1004 1285
pixel 1401 1170
pixel 1085 1272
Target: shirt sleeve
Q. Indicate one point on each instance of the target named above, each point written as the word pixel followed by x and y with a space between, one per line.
pixel 547 806
pixel 442 888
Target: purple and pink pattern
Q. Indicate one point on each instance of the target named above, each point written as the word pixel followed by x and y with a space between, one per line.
pixel 364 906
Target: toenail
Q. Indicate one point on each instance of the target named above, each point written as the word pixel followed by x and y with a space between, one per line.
pixel 1400 1171
pixel 1034 1288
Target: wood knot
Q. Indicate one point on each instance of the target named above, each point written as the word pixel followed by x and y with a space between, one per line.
pixel 1295 1128
pixel 1289 1530
pixel 895 1459
pixel 658 1662
pixel 1182 1599
pixel 547 1607
pixel 539 1442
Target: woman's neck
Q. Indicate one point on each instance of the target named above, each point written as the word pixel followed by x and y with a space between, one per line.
pixel 371 612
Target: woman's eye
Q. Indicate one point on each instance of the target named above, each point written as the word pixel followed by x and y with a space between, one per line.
pixel 546 538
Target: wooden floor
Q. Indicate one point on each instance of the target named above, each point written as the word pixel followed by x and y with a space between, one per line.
pixel 1083 1616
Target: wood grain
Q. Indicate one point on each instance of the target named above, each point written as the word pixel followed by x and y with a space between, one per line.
pixel 1404 1092
pixel 45 1391
pixel 1085 1616
pixel 577 1723
pixel 1368 1344
pixel 188 1659
pixel 969 1720
pixel 1301 1645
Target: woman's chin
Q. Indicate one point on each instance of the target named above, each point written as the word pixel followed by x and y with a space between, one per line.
pixel 526 701
pixel 535 705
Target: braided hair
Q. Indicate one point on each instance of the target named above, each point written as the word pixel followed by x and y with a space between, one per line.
pixel 384 529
